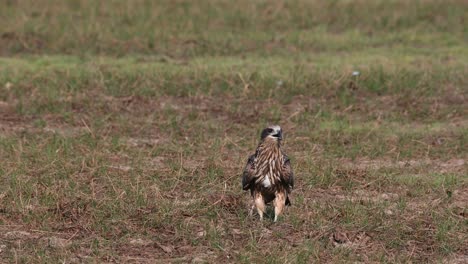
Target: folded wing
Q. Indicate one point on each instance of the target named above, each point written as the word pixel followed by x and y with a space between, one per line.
pixel 287 175
pixel 248 174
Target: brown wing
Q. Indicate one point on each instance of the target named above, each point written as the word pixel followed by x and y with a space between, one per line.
pixel 248 174
pixel 287 175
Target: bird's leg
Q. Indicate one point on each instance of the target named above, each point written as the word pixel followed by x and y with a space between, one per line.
pixel 278 203
pixel 251 210
pixel 260 204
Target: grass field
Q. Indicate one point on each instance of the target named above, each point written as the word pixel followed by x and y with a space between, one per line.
pixel 125 126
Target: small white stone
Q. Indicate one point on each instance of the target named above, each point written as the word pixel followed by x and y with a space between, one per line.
pixel 8 85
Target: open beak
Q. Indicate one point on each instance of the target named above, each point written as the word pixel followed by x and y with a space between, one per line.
pixel 279 135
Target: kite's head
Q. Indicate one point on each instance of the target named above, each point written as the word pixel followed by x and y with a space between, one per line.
pixel 272 132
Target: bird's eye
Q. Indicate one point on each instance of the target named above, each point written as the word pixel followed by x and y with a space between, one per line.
pixel 270 130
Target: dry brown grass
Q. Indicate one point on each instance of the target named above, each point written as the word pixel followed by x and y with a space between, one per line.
pixel 105 158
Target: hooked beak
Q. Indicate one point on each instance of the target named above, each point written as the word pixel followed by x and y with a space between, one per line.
pixel 279 135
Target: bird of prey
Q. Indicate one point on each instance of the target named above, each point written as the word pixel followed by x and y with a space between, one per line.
pixel 268 173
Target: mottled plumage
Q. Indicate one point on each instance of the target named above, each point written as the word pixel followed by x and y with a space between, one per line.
pixel 268 173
